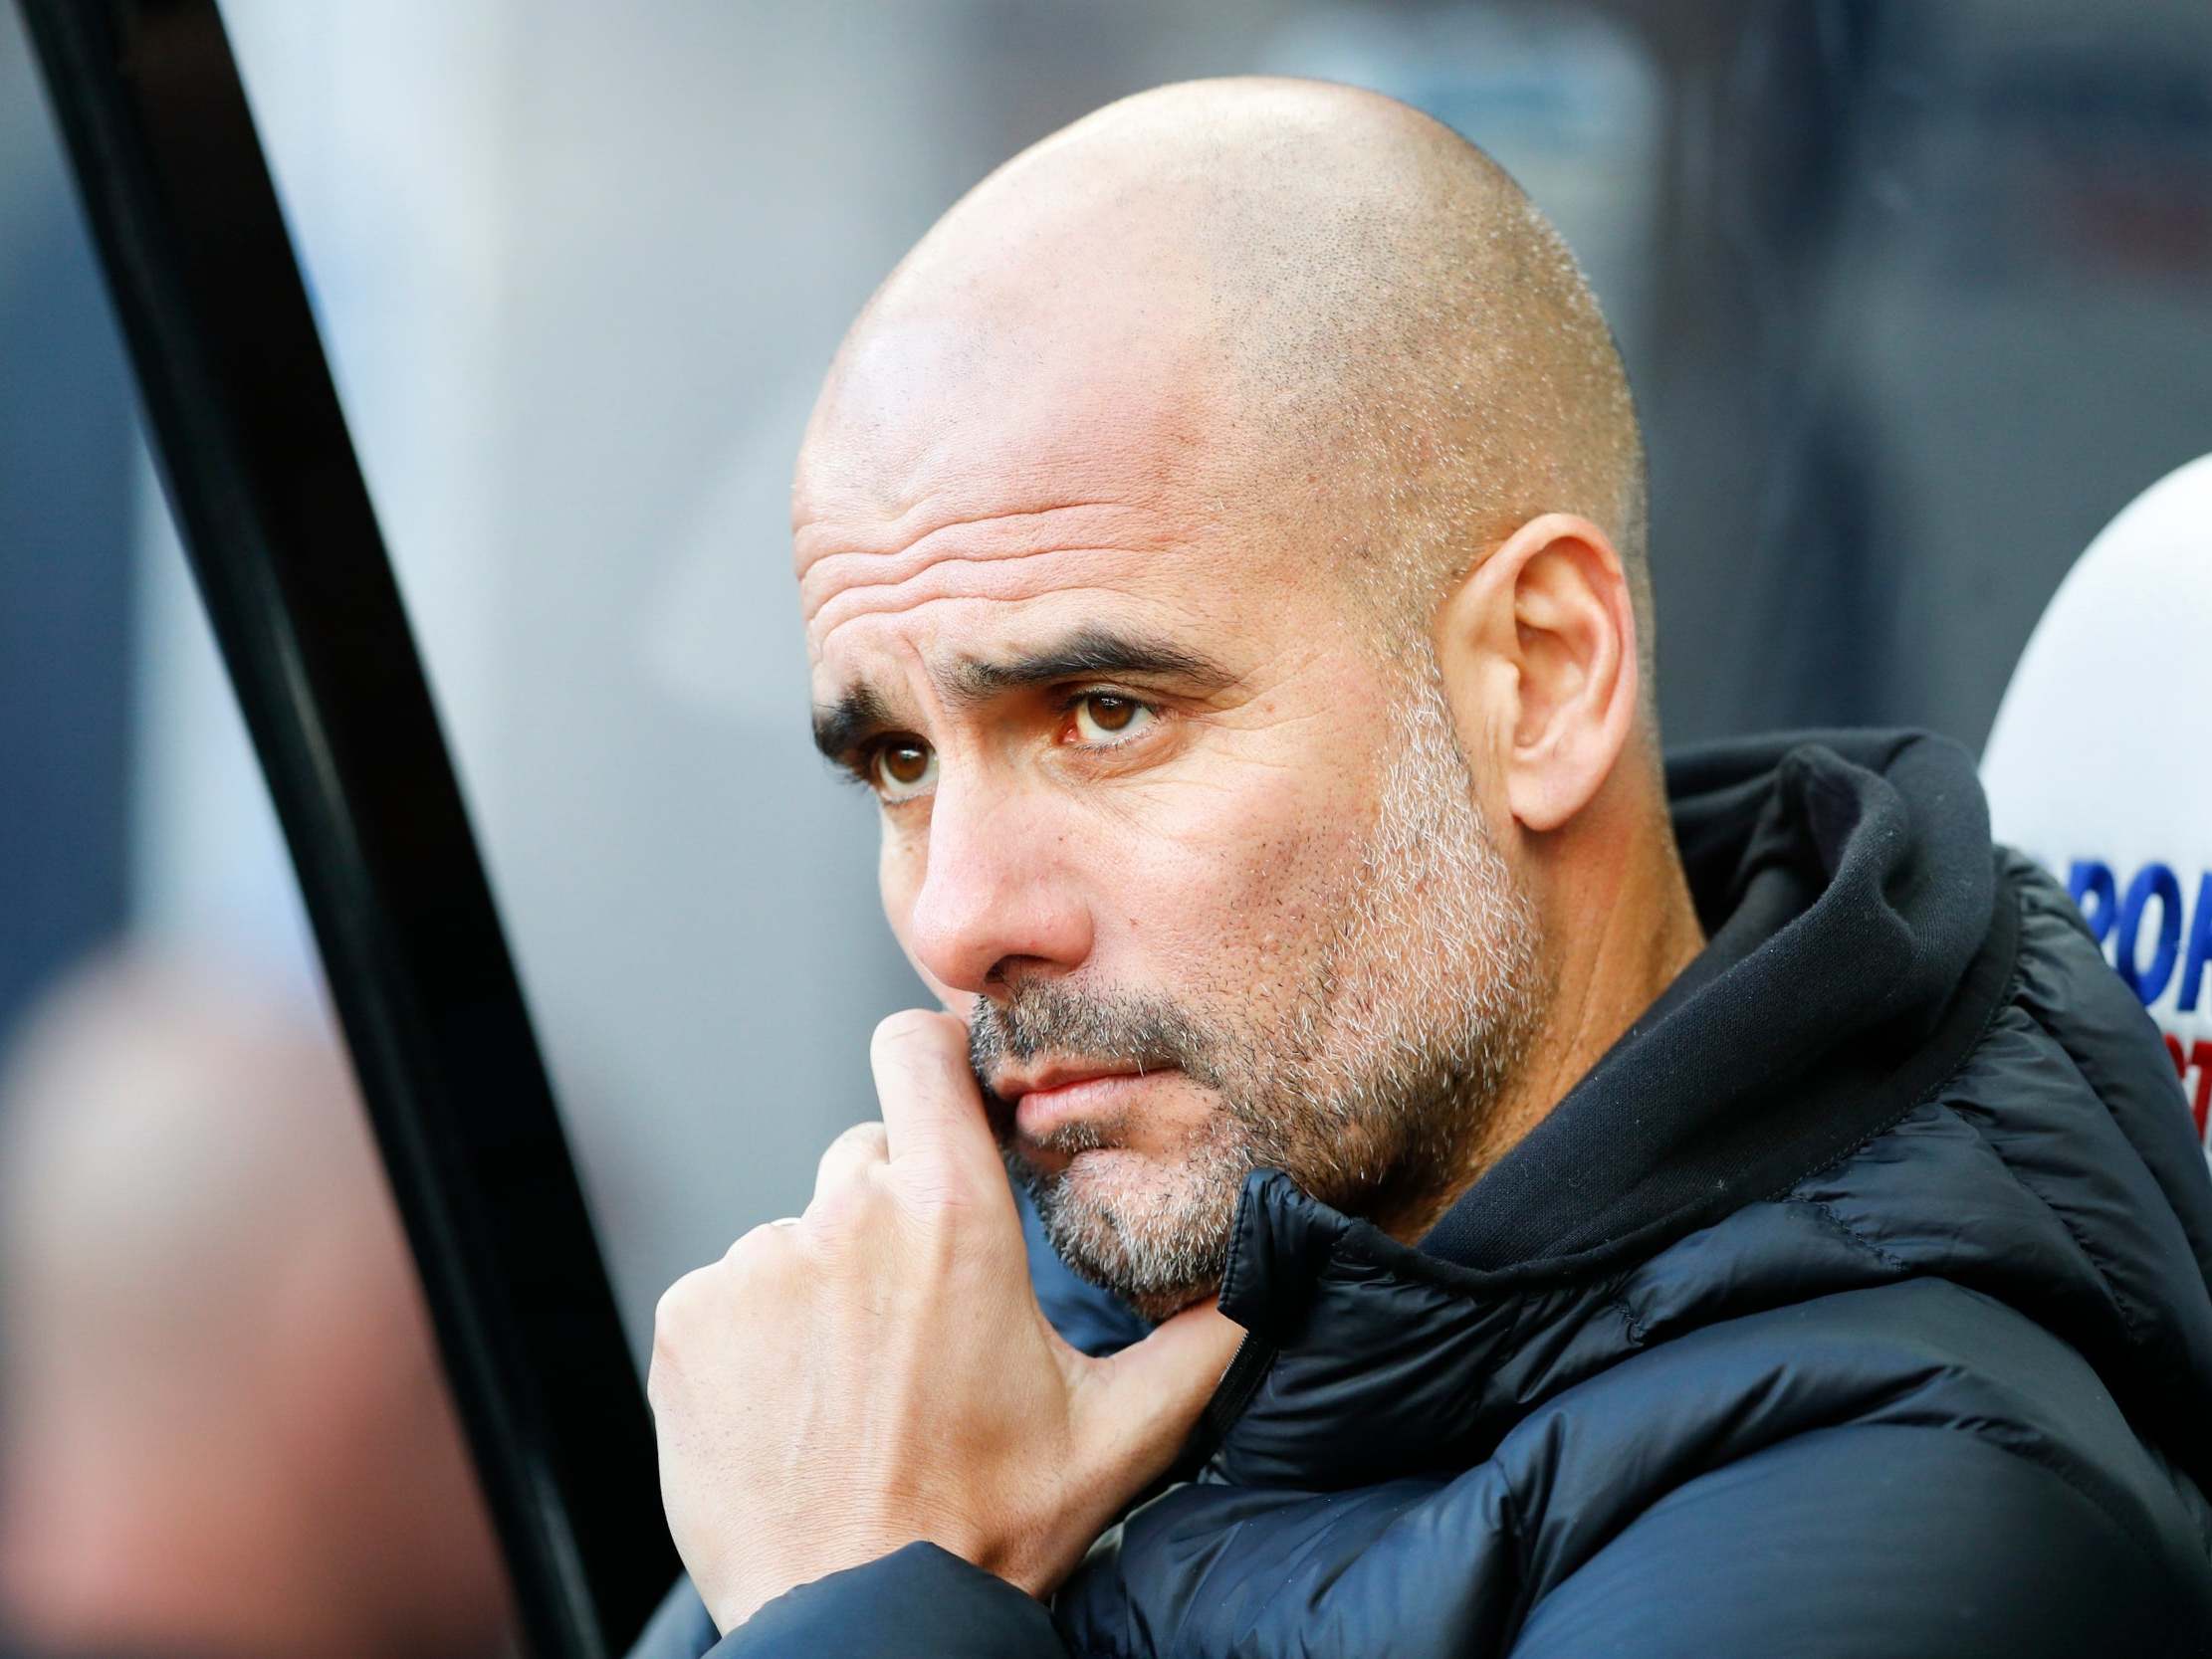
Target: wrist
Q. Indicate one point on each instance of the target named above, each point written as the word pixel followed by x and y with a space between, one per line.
pixel 742 1589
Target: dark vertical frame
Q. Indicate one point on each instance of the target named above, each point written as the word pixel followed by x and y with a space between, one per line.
pixel 274 512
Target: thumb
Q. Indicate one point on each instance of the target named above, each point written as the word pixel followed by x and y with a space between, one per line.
pixel 1143 1402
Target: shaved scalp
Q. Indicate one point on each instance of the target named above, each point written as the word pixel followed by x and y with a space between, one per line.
pixel 1389 343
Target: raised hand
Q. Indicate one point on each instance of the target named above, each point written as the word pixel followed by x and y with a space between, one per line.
pixel 877 1371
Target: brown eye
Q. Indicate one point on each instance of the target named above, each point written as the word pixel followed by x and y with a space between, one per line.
pixel 904 767
pixel 1102 718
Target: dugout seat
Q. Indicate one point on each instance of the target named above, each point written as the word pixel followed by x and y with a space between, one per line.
pixel 2098 766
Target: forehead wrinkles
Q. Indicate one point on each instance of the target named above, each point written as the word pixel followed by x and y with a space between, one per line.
pixel 1005 556
pixel 941 618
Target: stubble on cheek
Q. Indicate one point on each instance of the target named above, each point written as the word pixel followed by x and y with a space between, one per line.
pixel 1141 1200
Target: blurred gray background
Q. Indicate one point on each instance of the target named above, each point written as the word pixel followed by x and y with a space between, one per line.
pixel 1915 298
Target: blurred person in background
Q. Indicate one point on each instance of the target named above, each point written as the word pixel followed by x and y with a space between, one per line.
pixel 224 1429
pixel 1706 1207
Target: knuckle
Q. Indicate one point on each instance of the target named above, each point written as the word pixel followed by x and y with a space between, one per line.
pixel 756 1249
pixel 861 1139
pixel 840 1211
pixel 673 1317
pixel 674 1302
pixel 843 1212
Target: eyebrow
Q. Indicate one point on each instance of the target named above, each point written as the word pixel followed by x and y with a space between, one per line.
pixel 839 726
pixel 862 711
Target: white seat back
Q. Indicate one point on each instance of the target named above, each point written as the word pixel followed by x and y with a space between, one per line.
pixel 2100 765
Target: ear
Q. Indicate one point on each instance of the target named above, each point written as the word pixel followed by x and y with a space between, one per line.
pixel 1537 647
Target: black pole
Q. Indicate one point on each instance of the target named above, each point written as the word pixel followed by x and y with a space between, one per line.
pixel 276 517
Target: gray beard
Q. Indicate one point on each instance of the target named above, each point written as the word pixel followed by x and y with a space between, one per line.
pixel 1367 1087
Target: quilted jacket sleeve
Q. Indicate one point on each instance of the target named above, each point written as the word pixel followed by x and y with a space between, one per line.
pixel 1872 1541
pixel 920 1602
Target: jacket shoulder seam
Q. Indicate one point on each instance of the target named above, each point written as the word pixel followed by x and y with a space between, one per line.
pixel 2082 1241
pixel 1851 1233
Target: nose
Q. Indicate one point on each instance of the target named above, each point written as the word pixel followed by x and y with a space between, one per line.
pixel 996 890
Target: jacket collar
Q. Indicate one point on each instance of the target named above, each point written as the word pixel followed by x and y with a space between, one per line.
pixel 1368 1358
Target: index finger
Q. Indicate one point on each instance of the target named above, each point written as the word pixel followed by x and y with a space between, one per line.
pixel 932 1107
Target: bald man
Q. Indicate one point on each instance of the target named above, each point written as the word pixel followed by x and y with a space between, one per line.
pixel 1488 1192
pixel 225 1431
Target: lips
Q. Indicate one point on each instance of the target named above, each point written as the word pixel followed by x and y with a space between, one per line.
pixel 1049 1099
pixel 1012 1086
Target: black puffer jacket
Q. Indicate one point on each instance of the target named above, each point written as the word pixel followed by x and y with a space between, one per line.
pixel 1855 1302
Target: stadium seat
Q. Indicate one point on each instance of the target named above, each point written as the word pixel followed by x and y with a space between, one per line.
pixel 2096 766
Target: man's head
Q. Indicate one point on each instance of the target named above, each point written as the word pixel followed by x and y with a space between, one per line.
pixel 1220 546
pixel 227 1429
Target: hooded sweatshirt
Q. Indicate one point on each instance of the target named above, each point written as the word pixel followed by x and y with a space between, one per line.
pixel 1856 1302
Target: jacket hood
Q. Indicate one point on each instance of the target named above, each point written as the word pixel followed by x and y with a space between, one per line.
pixel 1899 1057
pixel 1845 884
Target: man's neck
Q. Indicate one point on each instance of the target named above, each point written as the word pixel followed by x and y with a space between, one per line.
pixel 1605 975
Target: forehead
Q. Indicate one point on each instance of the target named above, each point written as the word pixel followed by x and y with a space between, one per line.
pixel 961 485
pixel 977 407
